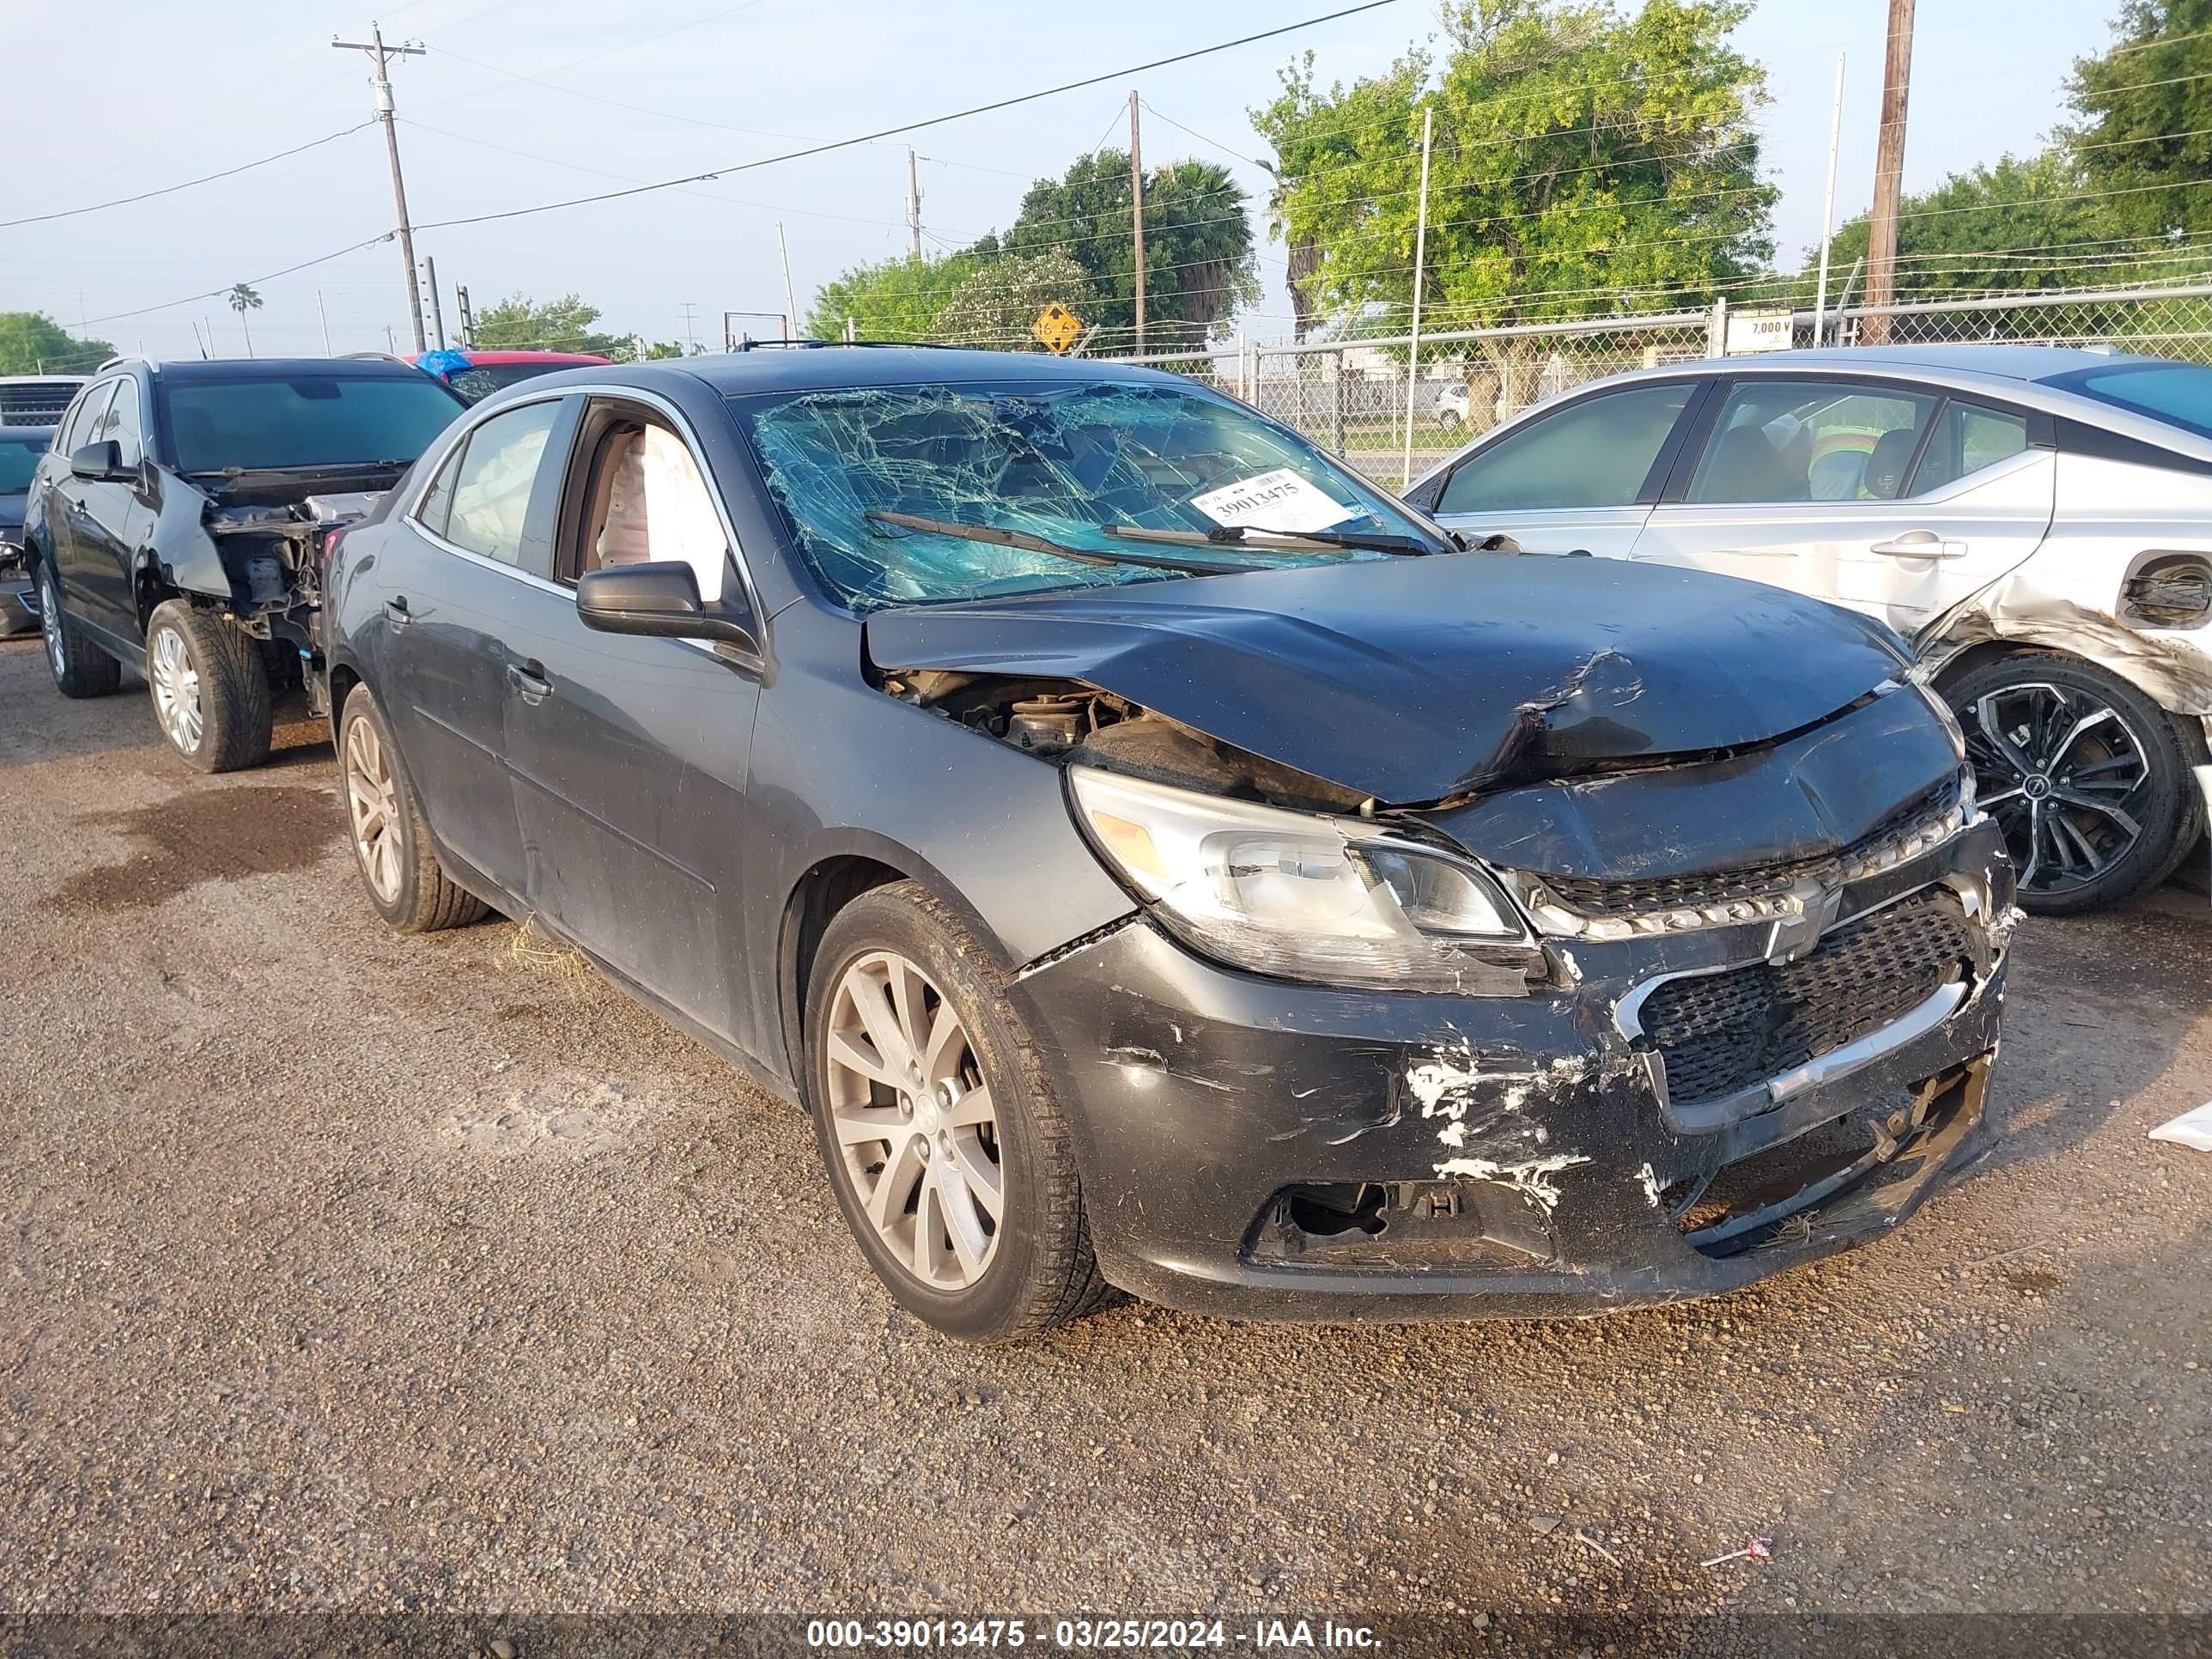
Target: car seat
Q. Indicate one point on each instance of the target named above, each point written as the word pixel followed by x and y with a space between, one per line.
pixel 1885 468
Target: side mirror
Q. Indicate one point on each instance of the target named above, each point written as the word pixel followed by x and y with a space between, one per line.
pixel 100 462
pixel 661 598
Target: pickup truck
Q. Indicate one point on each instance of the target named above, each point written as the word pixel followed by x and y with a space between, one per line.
pixel 179 523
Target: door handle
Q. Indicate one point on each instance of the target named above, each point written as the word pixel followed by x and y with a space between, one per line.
pixel 1920 544
pixel 529 679
pixel 396 613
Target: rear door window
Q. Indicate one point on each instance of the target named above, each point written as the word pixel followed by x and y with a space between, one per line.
pixel 1968 437
pixel 1811 441
pixel 90 410
pixel 494 479
pixel 1597 452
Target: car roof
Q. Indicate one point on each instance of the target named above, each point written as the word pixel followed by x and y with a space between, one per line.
pixel 483 359
pixel 233 369
pixel 828 367
pixel 10 433
pixel 2012 362
pixel 2036 374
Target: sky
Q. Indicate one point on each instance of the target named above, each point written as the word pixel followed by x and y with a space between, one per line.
pixel 516 102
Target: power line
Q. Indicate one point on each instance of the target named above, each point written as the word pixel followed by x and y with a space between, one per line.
pixel 251 282
pixel 1237 155
pixel 579 167
pixel 913 126
pixel 170 190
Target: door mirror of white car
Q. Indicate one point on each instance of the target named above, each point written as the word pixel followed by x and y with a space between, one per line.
pixel 1920 544
pixel 658 597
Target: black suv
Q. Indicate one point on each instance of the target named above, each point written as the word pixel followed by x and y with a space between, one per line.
pixel 178 524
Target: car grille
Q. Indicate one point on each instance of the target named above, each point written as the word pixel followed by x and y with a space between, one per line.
pixel 26 405
pixel 1722 1032
pixel 1631 898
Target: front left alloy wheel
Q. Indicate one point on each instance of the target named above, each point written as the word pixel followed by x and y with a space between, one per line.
pixel 211 688
pixel 938 1126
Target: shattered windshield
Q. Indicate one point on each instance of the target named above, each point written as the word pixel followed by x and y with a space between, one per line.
pixel 1057 461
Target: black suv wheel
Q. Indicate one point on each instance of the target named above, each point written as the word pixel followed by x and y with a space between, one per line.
pixel 80 669
pixel 211 688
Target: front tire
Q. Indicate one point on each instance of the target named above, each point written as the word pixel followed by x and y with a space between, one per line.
pixel 939 1128
pixel 392 849
pixel 211 688
pixel 79 668
pixel 2088 777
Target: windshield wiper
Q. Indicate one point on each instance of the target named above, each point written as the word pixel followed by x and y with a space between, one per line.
pixel 1029 543
pixel 1232 535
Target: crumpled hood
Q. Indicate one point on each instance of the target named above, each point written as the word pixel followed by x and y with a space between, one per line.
pixel 1420 679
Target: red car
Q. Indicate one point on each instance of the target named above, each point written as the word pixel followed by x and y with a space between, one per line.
pixel 477 374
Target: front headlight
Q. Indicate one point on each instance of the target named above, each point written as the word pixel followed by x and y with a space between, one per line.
pixel 1946 715
pixel 1297 895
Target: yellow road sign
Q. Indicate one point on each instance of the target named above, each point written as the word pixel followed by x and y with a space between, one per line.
pixel 1056 328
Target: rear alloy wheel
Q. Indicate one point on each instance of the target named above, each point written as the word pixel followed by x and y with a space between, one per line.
pixel 2088 777
pixel 939 1125
pixel 80 669
pixel 409 887
pixel 211 688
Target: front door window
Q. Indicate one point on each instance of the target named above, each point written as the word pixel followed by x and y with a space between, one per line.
pixel 1597 453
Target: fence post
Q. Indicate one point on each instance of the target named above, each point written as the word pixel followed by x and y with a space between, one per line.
pixel 1716 330
pixel 1336 381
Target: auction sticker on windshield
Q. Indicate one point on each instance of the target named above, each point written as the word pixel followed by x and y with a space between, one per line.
pixel 1274 501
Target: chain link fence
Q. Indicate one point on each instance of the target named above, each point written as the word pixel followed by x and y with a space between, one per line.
pixel 1351 397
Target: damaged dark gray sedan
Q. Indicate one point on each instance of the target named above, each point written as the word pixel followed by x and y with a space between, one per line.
pixel 1156 858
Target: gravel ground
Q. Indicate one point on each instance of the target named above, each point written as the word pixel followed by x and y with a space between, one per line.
pixel 345 1270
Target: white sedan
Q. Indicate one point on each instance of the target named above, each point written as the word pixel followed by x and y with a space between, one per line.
pixel 2037 521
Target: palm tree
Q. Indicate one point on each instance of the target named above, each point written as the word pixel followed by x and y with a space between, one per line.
pixel 243 299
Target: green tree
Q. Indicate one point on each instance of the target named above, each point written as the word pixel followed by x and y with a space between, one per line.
pixel 1199 264
pixel 519 324
pixel 2144 136
pixel 2019 225
pixel 895 300
pixel 31 343
pixel 1584 162
pixel 242 299
pixel 999 302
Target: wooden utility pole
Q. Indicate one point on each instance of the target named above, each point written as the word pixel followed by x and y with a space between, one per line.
pixel 1137 213
pixel 1889 173
pixel 379 81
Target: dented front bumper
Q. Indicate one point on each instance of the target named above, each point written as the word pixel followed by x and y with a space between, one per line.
pixel 1262 1149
